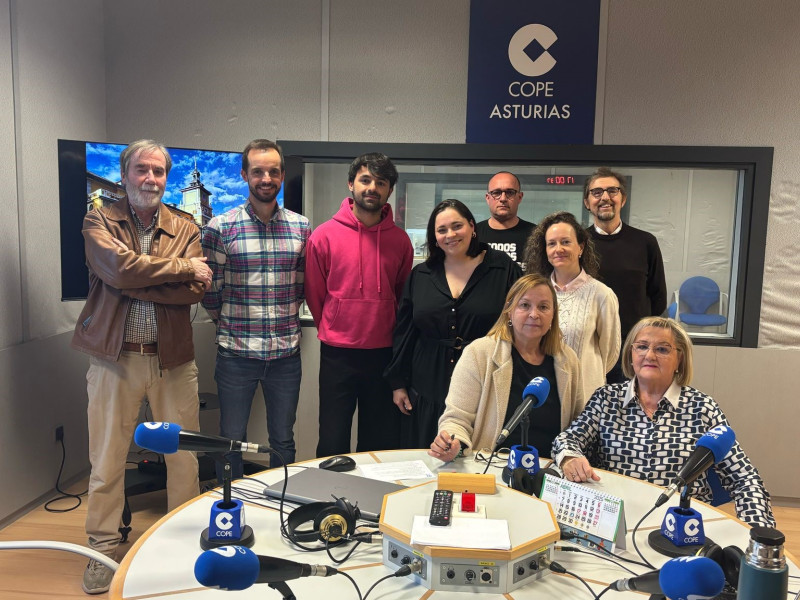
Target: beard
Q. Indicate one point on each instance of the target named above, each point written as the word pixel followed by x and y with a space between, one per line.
pixel 148 196
pixel 606 215
pixel 264 193
pixel 373 204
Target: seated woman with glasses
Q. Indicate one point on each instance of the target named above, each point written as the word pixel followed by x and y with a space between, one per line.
pixel 647 427
pixel 488 381
pixel 588 311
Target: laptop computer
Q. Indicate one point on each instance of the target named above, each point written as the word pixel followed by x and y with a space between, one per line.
pixel 317 485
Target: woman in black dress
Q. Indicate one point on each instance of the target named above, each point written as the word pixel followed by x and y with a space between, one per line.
pixel 452 298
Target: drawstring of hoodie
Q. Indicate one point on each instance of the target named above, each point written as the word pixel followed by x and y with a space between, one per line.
pixel 360 268
pixel 378 260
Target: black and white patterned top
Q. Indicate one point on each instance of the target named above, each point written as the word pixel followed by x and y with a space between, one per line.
pixel 614 434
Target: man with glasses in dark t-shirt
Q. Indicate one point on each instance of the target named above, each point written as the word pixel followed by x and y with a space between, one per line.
pixel 504 230
pixel 630 259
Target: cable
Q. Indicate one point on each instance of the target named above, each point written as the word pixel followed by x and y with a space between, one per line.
pixel 557 568
pixel 415 566
pixel 355 585
pixel 569 536
pixel 60 491
pixel 595 554
pixel 372 587
pixel 633 537
pixel 600 595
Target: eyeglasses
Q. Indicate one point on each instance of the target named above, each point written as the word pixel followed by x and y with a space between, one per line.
pixel 497 194
pixel 660 350
pixel 598 192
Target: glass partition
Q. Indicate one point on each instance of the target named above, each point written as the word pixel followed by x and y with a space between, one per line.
pixel 704 215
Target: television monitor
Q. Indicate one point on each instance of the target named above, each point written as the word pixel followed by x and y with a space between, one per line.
pixel 202 183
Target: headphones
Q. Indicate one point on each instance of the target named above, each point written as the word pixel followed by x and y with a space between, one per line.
pixel 519 479
pixel 332 521
pixel 729 558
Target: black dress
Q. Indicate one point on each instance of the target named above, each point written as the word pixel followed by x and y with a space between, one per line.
pixel 432 329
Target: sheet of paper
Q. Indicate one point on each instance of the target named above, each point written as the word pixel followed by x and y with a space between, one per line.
pixel 491 534
pixel 409 469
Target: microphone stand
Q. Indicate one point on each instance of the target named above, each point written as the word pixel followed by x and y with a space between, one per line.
pixel 525 423
pixel 283 588
pixel 664 546
pixel 247 537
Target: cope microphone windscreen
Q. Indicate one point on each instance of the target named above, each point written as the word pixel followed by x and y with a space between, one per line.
pixel 163 438
pixel 227 567
pixel 691 578
pixel 539 387
pixel 719 440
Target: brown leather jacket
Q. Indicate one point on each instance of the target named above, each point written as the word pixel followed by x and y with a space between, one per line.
pixel 165 276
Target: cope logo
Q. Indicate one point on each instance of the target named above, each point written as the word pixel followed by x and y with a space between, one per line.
pixel 527 461
pixel 717 431
pixel 691 528
pixel 155 425
pixel 224 521
pixel 226 551
pixel 669 522
pixel 522 39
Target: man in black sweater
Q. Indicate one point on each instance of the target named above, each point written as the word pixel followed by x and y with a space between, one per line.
pixel 630 259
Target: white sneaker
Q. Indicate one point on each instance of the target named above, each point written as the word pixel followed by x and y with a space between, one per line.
pixel 96 578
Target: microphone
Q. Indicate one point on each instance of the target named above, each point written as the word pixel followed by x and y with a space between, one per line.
pixel 168 438
pixel 533 396
pixel 711 448
pixel 686 578
pixel 238 568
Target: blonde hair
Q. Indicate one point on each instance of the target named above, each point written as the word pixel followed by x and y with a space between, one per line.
pixel 683 344
pixel 502 330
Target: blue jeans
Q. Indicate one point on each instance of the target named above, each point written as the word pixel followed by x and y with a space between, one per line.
pixel 237 378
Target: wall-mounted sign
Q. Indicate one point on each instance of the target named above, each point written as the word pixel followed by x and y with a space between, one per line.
pixel 532 71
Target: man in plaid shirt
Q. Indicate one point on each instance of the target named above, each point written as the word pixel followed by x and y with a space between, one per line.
pixel 257 256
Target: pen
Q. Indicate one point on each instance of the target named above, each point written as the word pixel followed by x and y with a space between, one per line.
pixel 449 444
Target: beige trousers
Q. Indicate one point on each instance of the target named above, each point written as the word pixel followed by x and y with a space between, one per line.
pixel 116 391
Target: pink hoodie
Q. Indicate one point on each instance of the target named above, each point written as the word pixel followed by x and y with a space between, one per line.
pixel 354 278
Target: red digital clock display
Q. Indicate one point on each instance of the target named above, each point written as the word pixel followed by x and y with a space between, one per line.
pixel 561 180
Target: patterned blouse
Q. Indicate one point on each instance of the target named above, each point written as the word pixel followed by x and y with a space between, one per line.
pixel 614 434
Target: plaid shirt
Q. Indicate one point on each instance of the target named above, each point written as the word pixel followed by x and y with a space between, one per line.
pixel 140 325
pixel 257 284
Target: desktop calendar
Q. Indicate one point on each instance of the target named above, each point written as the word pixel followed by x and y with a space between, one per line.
pixel 586 516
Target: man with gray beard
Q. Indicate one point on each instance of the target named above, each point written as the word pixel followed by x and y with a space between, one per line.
pixel 146 269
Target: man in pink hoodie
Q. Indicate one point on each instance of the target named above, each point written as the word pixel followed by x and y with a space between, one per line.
pixel 356 265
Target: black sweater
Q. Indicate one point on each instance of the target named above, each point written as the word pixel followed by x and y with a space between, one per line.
pixel 631 265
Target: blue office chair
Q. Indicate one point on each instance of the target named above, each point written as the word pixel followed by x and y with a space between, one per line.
pixel 693 300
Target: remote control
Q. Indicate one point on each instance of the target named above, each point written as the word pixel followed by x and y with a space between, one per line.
pixel 441 508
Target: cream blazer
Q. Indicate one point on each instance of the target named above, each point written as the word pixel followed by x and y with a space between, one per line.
pixel 478 396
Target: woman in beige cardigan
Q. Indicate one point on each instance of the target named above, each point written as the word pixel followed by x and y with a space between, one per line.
pixel 486 387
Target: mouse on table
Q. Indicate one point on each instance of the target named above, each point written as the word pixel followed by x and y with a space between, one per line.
pixel 338 463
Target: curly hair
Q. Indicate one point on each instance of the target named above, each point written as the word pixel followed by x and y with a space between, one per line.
pixel 535 255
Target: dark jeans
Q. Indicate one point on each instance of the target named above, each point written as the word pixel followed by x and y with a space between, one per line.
pixel 237 378
pixel 350 377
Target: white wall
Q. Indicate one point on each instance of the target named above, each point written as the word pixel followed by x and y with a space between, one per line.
pixel 202 73
pixel 52 85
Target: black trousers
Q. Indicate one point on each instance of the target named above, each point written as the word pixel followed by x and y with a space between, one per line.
pixel 350 377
